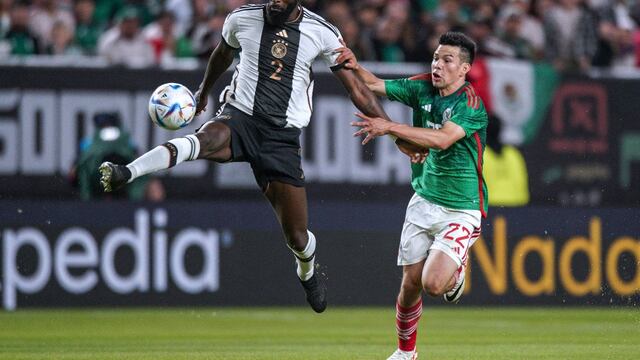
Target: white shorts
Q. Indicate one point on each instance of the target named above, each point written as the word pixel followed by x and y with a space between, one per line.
pixel 429 226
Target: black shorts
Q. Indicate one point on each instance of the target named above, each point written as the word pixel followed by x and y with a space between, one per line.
pixel 274 152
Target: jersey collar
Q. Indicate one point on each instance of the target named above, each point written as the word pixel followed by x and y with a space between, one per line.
pixel 296 20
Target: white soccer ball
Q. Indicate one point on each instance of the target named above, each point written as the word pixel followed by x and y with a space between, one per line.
pixel 172 106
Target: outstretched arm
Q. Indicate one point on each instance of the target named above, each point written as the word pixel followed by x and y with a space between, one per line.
pixel 368 103
pixel 416 153
pixel 219 61
pixel 349 60
pixel 428 138
pixel 360 94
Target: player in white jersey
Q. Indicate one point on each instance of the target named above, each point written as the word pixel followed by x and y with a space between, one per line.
pixel 269 102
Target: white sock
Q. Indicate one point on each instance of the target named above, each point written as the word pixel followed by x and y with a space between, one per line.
pixel 306 258
pixel 165 156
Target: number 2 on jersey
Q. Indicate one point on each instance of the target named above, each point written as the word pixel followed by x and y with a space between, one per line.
pixel 279 66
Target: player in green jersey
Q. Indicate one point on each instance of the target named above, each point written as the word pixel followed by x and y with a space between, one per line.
pixel 443 217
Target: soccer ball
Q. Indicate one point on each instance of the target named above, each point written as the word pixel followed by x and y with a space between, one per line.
pixel 172 106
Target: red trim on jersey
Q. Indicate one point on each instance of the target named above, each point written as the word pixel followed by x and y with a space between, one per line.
pixel 476 98
pixel 480 179
pixel 425 77
pixel 473 100
pixel 469 96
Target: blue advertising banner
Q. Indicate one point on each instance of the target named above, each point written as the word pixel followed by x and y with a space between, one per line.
pixel 232 253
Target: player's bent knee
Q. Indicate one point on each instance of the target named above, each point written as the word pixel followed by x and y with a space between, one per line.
pixel 434 286
pixel 297 239
pixel 411 287
pixel 213 138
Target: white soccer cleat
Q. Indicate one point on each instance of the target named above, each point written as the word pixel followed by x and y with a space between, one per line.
pixel 455 293
pixel 403 355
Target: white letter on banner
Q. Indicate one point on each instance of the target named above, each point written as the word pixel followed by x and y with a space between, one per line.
pixel 38 109
pixel 330 163
pixel 65 259
pixel 8 133
pixel 208 242
pixel 13 280
pixel 160 251
pixel 139 242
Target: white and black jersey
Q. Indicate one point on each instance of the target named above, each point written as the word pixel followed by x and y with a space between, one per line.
pixel 273 79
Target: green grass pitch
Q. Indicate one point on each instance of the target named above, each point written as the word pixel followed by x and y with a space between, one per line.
pixel 340 333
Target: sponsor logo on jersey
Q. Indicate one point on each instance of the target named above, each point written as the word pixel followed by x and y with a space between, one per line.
pixel 283 33
pixel 427 107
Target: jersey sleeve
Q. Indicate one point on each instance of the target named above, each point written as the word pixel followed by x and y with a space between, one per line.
pixel 330 42
pixel 229 30
pixel 470 115
pixel 402 90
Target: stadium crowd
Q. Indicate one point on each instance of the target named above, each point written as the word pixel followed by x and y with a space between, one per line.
pixel 571 34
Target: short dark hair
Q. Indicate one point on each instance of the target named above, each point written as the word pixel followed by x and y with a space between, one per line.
pixel 466 44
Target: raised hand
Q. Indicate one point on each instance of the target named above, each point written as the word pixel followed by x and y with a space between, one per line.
pixel 372 127
pixel 346 55
pixel 201 101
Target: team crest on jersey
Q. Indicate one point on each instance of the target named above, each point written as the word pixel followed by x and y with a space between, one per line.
pixel 279 49
pixel 446 115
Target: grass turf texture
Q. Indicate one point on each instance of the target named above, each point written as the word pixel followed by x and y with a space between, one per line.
pixel 297 333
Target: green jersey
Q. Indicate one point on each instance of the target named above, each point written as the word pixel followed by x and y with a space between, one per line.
pixel 451 178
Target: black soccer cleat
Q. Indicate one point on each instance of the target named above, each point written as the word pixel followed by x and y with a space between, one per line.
pixel 316 293
pixel 113 176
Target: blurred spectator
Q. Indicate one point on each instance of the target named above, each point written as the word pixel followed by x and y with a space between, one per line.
pixel 88 30
pixel 428 5
pixel 154 191
pixel 511 31
pixel 109 143
pixel 504 169
pixel 440 26
pixel 124 44
pixel 615 35
pixel 183 13
pixel 5 17
pixel 570 33
pixel 452 12
pixel 636 42
pixel 367 17
pixel 387 42
pixel 207 29
pixel 44 15
pixel 148 10
pixel 61 41
pixel 362 47
pixel 106 10
pixel 20 38
pixel 481 30
pixel 530 27
pixel 484 10
pixel 337 11
pixel 162 36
